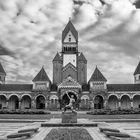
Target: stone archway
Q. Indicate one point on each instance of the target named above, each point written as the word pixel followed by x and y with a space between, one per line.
pixel 13 102
pixel 125 102
pixel 136 101
pixel 113 102
pixel 40 102
pixel 98 102
pixel 26 102
pixel 2 101
pixel 65 99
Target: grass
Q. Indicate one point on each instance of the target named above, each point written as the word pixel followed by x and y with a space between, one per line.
pixel 68 134
pixel 48 116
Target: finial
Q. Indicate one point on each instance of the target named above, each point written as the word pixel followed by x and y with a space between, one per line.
pixel 69 18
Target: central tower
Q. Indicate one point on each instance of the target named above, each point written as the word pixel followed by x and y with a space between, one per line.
pixel 69 62
pixel 69 45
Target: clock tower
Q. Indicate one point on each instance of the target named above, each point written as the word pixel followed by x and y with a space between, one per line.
pixel 70 45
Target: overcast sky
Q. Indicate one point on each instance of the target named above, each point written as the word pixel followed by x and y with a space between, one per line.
pixel 109 36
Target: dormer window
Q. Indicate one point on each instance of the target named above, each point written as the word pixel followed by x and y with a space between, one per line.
pixel 69 39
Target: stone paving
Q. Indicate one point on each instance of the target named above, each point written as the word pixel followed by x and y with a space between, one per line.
pixel 9 128
pixel 132 128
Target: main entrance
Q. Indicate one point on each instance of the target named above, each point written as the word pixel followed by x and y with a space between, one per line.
pixel 65 100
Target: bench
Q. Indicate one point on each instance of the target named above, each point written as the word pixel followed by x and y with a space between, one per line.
pixel 18 135
pixel 109 129
pixel 116 134
pixel 28 130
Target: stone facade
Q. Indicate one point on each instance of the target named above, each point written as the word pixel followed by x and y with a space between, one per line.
pixel 70 77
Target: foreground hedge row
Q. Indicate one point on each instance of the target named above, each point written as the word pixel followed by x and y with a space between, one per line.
pixel 24 112
pixel 113 112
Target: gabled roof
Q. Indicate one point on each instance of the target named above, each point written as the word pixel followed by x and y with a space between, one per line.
pixel 69 82
pixel 70 27
pixel 57 57
pixel 41 76
pixel 16 87
pixel 123 87
pixel 2 70
pixel 137 71
pixel 69 65
pixel 81 57
pixel 97 76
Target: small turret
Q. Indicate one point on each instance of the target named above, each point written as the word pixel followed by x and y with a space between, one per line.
pixel 2 74
pixel 97 80
pixel 41 81
pixel 137 75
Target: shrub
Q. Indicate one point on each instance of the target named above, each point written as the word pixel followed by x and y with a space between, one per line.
pixel 113 112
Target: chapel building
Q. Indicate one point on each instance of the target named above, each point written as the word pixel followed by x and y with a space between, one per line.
pixel 69 77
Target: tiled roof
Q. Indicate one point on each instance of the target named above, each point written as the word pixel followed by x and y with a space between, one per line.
pixel 69 82
pixel 69 65
pixel 137 71
pixel 81 57
pixel 97 76
pixel 57 57
pixel 41 76
pixel 2 70
pixel 69 27
pixel 123 87
pixel 16 87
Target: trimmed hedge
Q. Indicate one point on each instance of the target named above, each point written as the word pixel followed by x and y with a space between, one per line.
pixel 113 112
pixel 24 112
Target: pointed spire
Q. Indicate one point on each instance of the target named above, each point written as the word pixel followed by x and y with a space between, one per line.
pixel 2 69
pixel 41 76
pixel 57 57
pixel 97 75
pixel 137 71
pixel 82 58
pixel 70 27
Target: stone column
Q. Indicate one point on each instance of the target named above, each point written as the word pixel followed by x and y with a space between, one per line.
pixel 19 104
pixel 119 103
pixel 7 103
pixel 105 104
pixel 33 105
pixel 131 101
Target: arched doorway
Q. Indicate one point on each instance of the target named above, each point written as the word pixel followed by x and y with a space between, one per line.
pixel 113 102
pixel 98 102
pixel 13 102
pixel 136 101
pixel 40 102
pixel 125 102
pixel 65 99
pixel 26 102
pixel 2 101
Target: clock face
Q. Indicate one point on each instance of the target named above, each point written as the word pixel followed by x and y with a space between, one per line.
pixel 69 58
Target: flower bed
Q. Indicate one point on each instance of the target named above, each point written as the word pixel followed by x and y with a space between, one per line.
pixel 113 112
pixel 68 134
pixel 24 112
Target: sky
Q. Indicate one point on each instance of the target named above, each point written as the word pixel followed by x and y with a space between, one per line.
pixel 30 36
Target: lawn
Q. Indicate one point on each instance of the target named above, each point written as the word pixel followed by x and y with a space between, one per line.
pixel 48 116
pixel 68 134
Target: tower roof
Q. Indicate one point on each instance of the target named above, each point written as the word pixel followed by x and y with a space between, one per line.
pixel 2 70
pixel 82 57
pixel 57 57
pixel 137 71
pixel 97 76
pixel 41 76
pixel 69 27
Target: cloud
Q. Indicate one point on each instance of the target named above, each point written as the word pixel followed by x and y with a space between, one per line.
pixel 31 30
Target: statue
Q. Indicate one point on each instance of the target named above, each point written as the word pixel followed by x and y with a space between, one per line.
pixel 70 104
